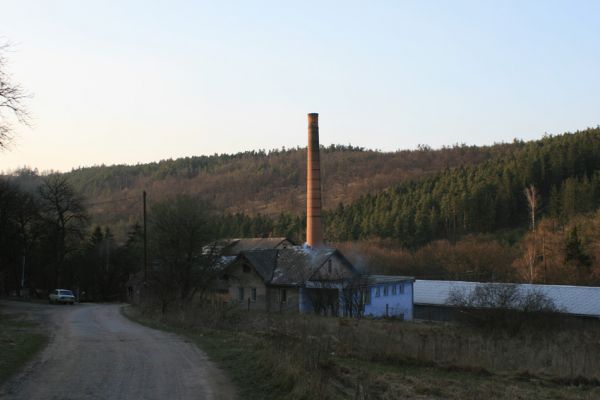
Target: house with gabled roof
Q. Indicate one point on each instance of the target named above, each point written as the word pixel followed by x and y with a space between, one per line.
pixel 276 279
pixel 274 274
pixel 299 279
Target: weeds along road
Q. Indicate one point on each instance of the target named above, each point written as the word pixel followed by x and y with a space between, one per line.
pixel 96 353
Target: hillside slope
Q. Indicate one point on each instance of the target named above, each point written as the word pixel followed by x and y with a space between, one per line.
pixel 266 182
pixel 564 169
pixel 458 212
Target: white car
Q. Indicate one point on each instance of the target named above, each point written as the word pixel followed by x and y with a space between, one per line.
pixel 61 296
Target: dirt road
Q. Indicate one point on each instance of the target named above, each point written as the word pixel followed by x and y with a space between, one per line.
pixel 96 353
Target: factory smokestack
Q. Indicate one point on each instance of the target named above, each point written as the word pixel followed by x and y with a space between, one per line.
pixel 314 230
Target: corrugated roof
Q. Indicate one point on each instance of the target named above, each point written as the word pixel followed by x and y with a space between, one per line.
pixel 578 300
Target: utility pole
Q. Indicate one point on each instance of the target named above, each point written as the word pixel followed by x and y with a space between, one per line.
pixel 23 274
pixel 106 239
pixel 145 242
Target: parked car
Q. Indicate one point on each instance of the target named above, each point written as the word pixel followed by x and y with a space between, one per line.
pixel 63 296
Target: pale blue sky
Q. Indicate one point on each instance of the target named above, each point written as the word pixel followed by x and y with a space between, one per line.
pixel 138 81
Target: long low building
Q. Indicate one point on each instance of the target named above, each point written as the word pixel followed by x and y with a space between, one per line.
pixel 431 297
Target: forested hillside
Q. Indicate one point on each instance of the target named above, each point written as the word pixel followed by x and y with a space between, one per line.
pixel 565 171
pixel 474 221
pixel 258 182
pixel 272 182
pixel 459 212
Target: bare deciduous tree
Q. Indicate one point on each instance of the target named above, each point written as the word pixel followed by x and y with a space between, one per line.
pixel 64 214
pixel 12 96
pixel 532 196
pixel 184 263
pixel 504 307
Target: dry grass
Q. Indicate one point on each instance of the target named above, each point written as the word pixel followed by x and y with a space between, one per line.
pixel 308 357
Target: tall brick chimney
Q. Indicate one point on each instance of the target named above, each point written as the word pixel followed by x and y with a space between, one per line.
pixel 314 230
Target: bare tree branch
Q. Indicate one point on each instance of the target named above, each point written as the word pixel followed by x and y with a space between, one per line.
pixel 12 99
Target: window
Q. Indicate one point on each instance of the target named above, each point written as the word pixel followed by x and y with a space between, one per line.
pixel 394 290
pixel 246 269
pixel 385 290
pixel 283 295
pixel 377 293
pixel 241 294
pixel 401 287
pixel 253 294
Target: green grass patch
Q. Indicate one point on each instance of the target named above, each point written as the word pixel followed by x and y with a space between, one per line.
pixel 20 341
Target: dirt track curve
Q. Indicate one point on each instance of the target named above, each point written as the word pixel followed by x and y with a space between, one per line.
pixel 96 353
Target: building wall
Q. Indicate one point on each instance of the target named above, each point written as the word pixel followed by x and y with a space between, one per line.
pixel 304 304
pixel 332 269
pixel 248 280
pixel 244 280
pixel 324 301
pixel 382 300
pixel 283 299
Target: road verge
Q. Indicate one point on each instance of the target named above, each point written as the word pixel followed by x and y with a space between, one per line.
pixel 20 341
pixel 240 356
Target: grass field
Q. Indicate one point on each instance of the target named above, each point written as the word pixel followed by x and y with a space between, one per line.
pixel 20 340
pixel 407 380
pixel 264 364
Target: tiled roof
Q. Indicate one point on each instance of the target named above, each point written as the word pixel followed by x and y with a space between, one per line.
pixel 289 266
pixel 296 265
pixel 232 247
pixel 264 261
pixel 578 300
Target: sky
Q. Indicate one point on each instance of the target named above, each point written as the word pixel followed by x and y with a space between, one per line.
pixel 125 82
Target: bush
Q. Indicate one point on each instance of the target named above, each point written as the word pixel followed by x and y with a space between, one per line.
pixel 505 307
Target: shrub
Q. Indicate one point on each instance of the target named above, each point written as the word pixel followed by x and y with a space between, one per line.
pixel 505 307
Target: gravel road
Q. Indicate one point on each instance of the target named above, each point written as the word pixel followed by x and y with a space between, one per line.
pixel 96 353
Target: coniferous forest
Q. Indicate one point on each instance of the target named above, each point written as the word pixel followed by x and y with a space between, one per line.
pixel 520 211
pixel 484 198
